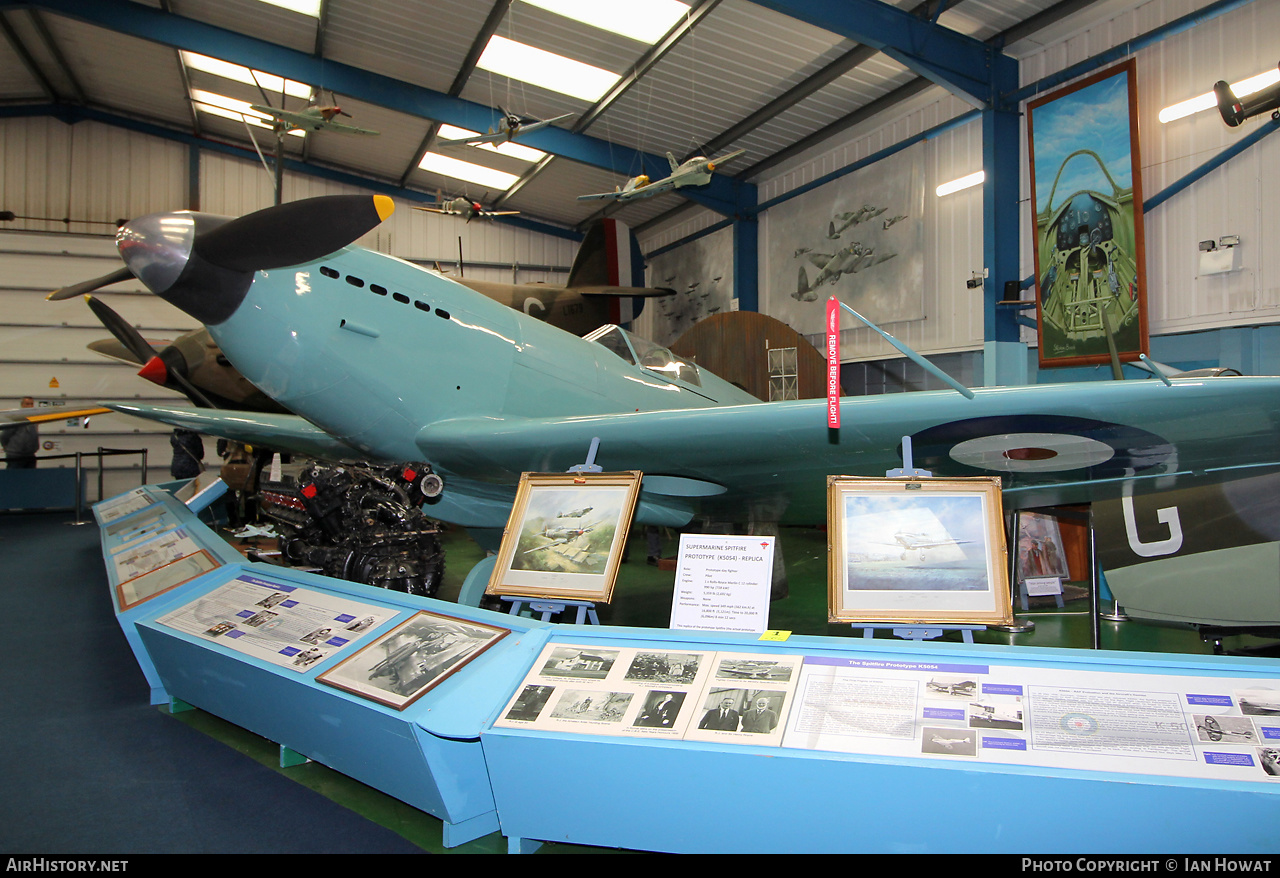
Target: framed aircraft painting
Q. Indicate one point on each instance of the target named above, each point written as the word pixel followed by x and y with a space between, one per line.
pixel 1086 186
pixel 565 536
pixel 413 658
pixel 913 551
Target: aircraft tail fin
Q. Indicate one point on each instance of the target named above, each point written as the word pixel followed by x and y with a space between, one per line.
pixel 609 261
pixel 675 165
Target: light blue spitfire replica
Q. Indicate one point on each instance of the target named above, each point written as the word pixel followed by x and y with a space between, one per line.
pixel 381 359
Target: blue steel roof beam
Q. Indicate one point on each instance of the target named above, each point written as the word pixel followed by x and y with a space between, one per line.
pixel 958 63
pixel 168 29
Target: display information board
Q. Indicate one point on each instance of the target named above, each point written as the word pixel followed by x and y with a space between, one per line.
pixel 678 694
pixel 126 504
pixel 1221 728
pixel 276 622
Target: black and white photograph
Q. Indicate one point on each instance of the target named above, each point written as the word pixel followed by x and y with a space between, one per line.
pixel 663 667
pixel 592 705
pixel 1002 712
pixel 529 703
pixel 1259 702
pixel 949 742
pixel 405 663
pixel 754 669
pixel 578 663
pixel 660 710
pixel 1225 729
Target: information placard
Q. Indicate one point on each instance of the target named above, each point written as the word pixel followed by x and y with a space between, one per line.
pixel 723 583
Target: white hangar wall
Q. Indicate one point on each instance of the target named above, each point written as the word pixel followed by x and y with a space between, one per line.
pixel 98 174
pixel 1194 320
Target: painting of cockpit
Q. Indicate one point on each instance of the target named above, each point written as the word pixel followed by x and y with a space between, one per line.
pixel 1087 191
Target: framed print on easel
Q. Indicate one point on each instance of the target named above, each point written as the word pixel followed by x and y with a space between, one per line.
pixel 917 551
pixel 565 537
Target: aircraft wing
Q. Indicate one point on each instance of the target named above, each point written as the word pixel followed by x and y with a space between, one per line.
pixel 285 432
pixel 1065 443
pixel 497 137
pixel 601 196
pixel 344 128
pixel 44 415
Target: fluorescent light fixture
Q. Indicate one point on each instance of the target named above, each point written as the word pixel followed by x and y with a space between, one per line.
pixel 509 149
pixel 230 108
pixel 645 20
pixel 546 69
pixel 460 170
pixel 306 7
pixel 962 183
pixel 270 83
pixel 1208 100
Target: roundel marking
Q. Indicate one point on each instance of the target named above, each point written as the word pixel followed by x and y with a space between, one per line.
pixel 1032 452
pixel 1033 444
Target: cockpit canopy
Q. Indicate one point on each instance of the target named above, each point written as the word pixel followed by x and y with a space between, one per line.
pixel 644 353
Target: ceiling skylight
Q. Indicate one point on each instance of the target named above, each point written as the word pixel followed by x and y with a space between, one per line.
pixel 466 171
pixel 230 108
pixel 645 20
pixel 510 149
pixel 306 7
pixel 270 84
pixel 546 69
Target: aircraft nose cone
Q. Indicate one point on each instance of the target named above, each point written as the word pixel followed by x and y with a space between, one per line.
pixel 156 248
pixel 163 251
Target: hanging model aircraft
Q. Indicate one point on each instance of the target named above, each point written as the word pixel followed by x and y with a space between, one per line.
pixel 384 360
pixel 510 127
pixel 694 172
pixel 313 118
pixel 465 207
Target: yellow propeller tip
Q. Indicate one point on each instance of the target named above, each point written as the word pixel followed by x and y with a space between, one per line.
pixel 384 206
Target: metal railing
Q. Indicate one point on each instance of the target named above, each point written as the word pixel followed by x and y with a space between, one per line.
pixel 99 454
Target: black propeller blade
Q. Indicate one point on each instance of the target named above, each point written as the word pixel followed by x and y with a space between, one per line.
pixel 145 353
pixel 88 286
pixel 122 330
pixel 292 233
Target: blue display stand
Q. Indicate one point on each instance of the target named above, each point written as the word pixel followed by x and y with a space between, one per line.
pixel 161 514
pixel 427 755
pixel 694 797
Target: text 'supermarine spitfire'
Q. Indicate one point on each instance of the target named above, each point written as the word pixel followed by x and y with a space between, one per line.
pixel 384 360
pixel 694 172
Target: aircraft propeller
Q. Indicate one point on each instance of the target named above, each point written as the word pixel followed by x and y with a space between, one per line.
pixel 167 367
pixel 204 264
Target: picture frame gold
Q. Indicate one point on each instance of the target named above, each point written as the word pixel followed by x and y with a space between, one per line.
pixel 917 551
pixel 404 664
pixel 565 537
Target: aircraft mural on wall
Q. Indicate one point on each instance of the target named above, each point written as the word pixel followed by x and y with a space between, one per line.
pixel 483 392
pixel 693 172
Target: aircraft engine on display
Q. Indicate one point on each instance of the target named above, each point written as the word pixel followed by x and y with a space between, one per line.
pixel 360 523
